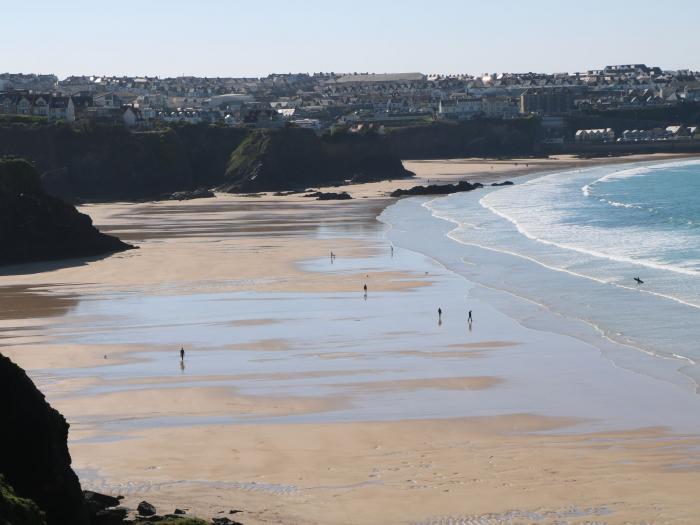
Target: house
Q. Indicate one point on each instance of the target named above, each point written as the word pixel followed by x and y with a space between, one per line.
pixel 459 109
pixel 678 132
pixel 61 108
pixel 644 135
pixel 308 123
pixel 108 100
pixel 547 101
pixel 40 107
pixel 24 105
pixel 495 106
pixel 130 117
pixel 287 112
pixel 8 103
pixel 595 135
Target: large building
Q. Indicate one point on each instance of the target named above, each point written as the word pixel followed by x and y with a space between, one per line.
pixel 547 101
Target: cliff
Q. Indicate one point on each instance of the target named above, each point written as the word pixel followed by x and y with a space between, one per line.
pixel 293 158
pixel 35 461
pixel 35 226
pixel 470 138
pixel 275 160
pixel 106 163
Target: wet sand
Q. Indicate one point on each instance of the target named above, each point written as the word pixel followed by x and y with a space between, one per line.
pixel 301 401
pixel 505 469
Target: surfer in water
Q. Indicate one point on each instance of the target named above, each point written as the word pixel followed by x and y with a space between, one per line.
pixel 638 280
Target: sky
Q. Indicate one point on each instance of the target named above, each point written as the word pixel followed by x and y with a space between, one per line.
pixel 258 37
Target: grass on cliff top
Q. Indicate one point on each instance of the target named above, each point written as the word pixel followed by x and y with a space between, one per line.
pixel 248 152
pixel 21 511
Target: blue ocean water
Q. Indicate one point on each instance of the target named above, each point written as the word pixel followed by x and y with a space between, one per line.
pixel 574 241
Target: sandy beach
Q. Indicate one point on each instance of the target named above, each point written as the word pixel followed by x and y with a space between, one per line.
pixel 301 400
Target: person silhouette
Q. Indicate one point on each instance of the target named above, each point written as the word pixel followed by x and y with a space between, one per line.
pixel 439 313
pixel 182 355
pixel 470 316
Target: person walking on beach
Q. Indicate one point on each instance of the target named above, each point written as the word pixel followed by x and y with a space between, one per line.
pixel 470 317
pixel 439 313
pixel 365 288
pixel 182 355
pixel 392 251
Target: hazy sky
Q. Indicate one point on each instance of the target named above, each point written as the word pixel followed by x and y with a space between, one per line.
pixel 257 37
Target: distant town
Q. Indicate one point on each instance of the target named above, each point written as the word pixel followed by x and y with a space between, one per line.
pixel 355 102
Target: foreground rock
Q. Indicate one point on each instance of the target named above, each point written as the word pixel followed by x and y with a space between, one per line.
pixel 35 461
pixel 146 509
pixel 437 189
pixel 201 193
pixel 37 227
pixel 169 520
pixel 330 196
pixel 504 183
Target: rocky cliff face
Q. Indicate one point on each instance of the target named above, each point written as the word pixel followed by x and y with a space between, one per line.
pixel 110 163
pixel 35 226
pixel 270 160
pixel 470 138
pixel 35 461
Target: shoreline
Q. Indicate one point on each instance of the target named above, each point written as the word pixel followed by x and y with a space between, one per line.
pixel 306 403
pixel 668 363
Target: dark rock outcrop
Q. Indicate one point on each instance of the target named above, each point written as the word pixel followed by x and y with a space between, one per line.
pixel 35 461
pixel 104 509
pixel 437 189
pixel 504 183
pixel 201 193
pixel 169 520
pixel 96 501
pixel 37 227
pixel 225 521
pixel 110 516
pixel 330 196
pixel 145 509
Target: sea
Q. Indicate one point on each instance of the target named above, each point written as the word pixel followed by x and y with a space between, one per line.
pixel 572 243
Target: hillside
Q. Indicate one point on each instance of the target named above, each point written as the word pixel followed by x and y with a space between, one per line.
pixel 292 158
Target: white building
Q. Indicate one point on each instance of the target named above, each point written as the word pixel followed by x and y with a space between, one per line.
pixel 459 109
pixel 595 135
pixel 499 107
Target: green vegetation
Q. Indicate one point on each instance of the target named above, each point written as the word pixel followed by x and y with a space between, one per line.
pixel 20 511
pixel 22 119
